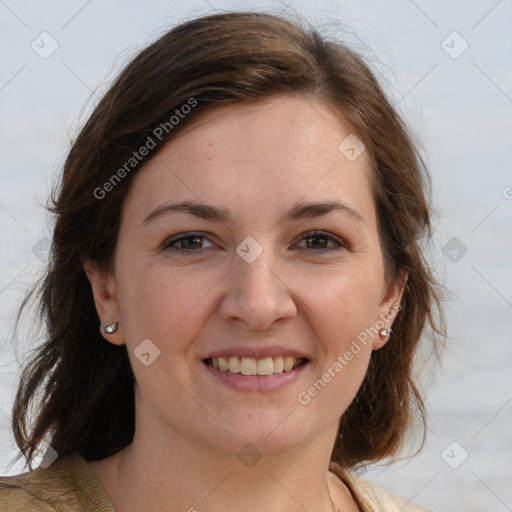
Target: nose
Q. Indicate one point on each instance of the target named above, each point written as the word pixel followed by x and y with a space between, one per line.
pixel 258 293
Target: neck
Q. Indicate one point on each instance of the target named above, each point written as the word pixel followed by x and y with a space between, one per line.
pixel 181 474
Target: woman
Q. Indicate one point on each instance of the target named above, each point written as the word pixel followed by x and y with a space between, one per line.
pixel 241 216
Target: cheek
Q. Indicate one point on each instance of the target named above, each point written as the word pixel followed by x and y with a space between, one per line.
pixel 345 301
pixel 343 312
pixel 159 303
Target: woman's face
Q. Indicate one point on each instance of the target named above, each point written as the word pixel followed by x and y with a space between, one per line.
pixel 242 271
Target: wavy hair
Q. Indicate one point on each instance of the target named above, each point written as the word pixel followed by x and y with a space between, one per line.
pixel 79 388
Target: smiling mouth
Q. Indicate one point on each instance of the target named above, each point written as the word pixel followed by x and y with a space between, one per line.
pixel 250 366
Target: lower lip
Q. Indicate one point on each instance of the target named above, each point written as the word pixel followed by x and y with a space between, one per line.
pixel 257 383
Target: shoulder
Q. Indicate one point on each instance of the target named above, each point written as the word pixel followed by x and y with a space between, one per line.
pixel 381 499
pixel 66 485
pixel 374 498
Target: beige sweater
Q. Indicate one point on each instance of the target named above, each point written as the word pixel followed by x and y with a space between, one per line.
pixel 69 485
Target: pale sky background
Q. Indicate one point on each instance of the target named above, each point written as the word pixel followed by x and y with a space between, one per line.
pixel 458 102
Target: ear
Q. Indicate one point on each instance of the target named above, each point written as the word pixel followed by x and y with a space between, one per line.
pixel 103 286
pixel 389 307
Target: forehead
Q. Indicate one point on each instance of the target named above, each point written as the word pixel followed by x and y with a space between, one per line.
pixel 275 125
pixel 272 152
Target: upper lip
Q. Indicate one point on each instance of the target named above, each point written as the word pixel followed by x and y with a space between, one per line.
pixel 259 352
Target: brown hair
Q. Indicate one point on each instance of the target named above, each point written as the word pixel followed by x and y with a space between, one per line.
pixel 81 386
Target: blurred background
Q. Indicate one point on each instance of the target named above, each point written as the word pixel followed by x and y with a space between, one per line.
pixel 447 68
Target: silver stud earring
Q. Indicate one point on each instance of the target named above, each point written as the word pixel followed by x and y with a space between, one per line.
pixel 384 333
pixel 111 329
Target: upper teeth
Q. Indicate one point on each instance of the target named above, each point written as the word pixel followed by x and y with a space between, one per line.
pixel 250 366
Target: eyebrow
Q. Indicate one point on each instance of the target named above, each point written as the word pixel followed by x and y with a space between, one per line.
pixel 218 214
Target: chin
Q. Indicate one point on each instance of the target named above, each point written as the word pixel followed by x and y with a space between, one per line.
pixel 271 432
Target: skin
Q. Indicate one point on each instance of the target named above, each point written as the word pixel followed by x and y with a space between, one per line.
pixel 257 161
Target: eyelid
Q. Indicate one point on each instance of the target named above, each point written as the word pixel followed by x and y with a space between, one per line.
pixel 183 236
pixel 330 237
pixel 340 244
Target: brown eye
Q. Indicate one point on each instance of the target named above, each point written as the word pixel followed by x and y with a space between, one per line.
pixel 187 242
pixel 319 240
pixel 191 242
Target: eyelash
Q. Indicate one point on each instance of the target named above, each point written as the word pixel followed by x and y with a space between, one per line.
pixel 310 234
